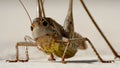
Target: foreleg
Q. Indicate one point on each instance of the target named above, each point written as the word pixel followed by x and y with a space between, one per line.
pixel 26 52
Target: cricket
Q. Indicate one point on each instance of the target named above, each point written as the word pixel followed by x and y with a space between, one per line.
pixel 56 40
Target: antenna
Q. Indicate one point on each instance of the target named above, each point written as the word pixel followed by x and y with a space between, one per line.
pixel 41 8
pixel 26 11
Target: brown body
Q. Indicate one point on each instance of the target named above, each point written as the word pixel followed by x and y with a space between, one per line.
pixel 47 33
pixel 54 39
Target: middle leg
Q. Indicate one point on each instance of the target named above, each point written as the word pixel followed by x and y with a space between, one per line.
pixel 51 58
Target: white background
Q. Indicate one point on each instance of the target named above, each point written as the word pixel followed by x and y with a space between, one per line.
pixel 14 25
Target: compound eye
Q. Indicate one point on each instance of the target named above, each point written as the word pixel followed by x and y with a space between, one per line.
pixel 45 23
pixel 31 28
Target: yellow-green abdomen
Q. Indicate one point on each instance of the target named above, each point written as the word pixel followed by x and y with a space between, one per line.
pixel 59 50
pixel 49 46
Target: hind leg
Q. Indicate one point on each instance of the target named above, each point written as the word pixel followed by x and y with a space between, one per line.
pixel 92 46
pixel 68 23
pixel 100 31
pixel 97 54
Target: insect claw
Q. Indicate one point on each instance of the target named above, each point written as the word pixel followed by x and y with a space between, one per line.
pixel 64 62
pixel 109 61
pixel 118 56
pixel 11 60
pixel 16 60
pixel 23 60
pixel 49 59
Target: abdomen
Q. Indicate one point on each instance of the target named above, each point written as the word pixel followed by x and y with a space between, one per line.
pixel 59 50
pixel 80 43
